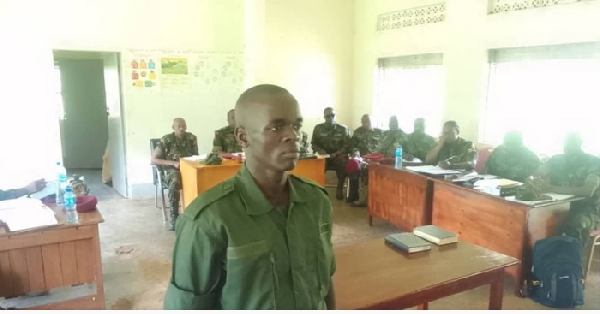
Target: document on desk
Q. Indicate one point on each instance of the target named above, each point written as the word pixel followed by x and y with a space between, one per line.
pixel 434 170
pixel 555 198
pixel 26 213
pixel 196 157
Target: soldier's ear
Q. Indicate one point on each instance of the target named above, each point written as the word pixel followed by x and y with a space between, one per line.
pixel 240 136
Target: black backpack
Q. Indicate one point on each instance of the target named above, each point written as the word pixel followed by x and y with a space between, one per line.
pixel 557 272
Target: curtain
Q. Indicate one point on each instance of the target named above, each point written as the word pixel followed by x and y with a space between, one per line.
pixel 410 87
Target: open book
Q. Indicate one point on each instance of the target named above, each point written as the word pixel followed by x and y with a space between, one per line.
pixel 26 213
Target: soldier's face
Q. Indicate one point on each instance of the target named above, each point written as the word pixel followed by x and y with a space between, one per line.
pixel 393 124
pixel 231 118
pixel 329 116
pixel 450 134
pixel 365 121
pixel 273 135
pixel 419 126
pixel 573 145
pixel 179 127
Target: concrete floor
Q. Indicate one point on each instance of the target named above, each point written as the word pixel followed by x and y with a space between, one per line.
pixel 138 279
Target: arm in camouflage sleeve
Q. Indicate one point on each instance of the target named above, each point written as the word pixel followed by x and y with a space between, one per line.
pixel 344 149
pixel 467 159
pixel 217 143
pixel 590 184
pixel 195 146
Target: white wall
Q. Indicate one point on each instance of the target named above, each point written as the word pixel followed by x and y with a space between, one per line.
pixel 464 38
pixel 306 47
pixel 119 26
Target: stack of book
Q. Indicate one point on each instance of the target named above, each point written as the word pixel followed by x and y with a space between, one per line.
pixel 421 238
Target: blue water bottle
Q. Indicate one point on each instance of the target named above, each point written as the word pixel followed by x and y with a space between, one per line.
pixel 71 207
pixel 399 157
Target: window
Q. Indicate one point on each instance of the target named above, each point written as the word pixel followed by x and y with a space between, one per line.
pixel 545 92
pixel 410 87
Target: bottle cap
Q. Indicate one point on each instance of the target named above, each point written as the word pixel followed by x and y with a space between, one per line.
pixel 68 189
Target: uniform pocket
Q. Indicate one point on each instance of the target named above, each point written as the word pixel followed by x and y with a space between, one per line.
pixel 251 277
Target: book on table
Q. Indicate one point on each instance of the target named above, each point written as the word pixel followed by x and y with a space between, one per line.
pixel 435 234
pixel 407 242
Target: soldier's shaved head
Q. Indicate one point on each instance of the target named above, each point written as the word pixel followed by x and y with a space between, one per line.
pixel 365 121
pixel 251 97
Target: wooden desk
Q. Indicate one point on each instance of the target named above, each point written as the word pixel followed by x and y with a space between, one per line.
pixel 371 275
pixel 506 227
pixel 54 257
pixel 197 178
pixel 401 197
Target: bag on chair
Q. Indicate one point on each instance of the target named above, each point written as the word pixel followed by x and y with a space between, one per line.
pixel 557 272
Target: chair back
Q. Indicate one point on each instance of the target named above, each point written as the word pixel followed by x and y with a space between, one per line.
pixel 155 169
pixel 482 156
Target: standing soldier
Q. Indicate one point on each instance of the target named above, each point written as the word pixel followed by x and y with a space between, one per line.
pixel 171 148
pixel 333 139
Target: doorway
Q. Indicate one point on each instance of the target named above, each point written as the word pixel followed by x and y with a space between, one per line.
pixel 91 128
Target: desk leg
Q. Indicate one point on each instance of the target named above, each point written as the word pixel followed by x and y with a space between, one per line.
pixel 370 220
pixel 424 306
pixel 497 291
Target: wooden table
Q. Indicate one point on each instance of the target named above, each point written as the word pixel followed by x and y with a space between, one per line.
pixel 197 178
pixel 371 275
pixel 53 257
pixel 506 227
pixel 399 196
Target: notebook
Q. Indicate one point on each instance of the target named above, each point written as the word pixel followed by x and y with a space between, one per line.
pixel 435 234
pixel 407 242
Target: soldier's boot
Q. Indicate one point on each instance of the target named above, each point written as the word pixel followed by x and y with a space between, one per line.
pixel 339 192
pixel 173 214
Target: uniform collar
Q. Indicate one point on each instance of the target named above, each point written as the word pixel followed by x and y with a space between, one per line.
pixel 254 199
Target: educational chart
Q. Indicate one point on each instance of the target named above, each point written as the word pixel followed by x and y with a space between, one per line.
pixel 175 73
pixel 143 71
pixel 217 71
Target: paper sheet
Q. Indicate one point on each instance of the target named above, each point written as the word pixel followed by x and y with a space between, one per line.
pixel 26 213
pixel 435 170
pixel 555 198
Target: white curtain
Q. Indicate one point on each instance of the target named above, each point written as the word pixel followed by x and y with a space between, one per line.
pixel 545 92
pixel 410 87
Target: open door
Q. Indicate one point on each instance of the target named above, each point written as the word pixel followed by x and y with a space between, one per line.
pixel 85 123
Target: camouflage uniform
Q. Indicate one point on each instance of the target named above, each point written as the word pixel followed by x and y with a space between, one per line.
pixel 583 216
pixel 329 139
pixel 391 140
pixel 172 149
pixel 366 142
pixel 418 145
pixel 225 139
pixel 517 165
pixel 459 151
pixel 304 146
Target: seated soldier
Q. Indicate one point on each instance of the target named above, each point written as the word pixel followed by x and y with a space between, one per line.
pixel 171 148
pixel 331 138
pixel 391 139
pixel 452 151
pixel 575 173
pixel 418 143
pixel 29 189
pixel 224 141
pixel 364 141
pixel 512 160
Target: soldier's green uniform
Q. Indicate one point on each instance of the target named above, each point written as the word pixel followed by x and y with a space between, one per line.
pixel 329 139
pixel 174 148
pixel 304 145
pixel 517 164
pixel 366 141
pixel 583 216
pixel 225 139
pixel 391 140
pixel 235 251
pixel 460 150
pixel 418 144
